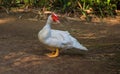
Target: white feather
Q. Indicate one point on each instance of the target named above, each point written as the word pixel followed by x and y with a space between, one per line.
pixel 58 38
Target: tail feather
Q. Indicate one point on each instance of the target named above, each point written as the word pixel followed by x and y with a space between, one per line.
pixel 77 45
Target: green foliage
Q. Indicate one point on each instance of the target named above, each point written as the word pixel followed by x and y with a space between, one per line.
pixel 100 7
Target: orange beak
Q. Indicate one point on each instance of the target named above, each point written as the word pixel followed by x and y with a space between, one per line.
pixel 57 21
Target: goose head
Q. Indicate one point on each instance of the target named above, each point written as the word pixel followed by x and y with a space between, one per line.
pixel 53 18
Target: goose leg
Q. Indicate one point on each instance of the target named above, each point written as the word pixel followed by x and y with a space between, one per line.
pixel 49 54
pixel 53 54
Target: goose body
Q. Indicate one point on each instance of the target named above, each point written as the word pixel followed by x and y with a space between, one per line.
pixel 57 38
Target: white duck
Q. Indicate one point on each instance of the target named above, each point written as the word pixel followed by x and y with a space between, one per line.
pixel 56 38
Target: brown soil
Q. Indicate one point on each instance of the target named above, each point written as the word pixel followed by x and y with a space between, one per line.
pixel 22 53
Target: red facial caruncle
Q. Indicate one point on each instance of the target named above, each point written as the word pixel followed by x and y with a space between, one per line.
pixel 55 17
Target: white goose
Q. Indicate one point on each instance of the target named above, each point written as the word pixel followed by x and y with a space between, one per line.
pixel 57 39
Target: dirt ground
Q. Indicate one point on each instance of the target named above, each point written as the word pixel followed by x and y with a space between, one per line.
pixel 22 53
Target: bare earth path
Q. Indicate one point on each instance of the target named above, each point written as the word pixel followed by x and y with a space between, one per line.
pixel 22 53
